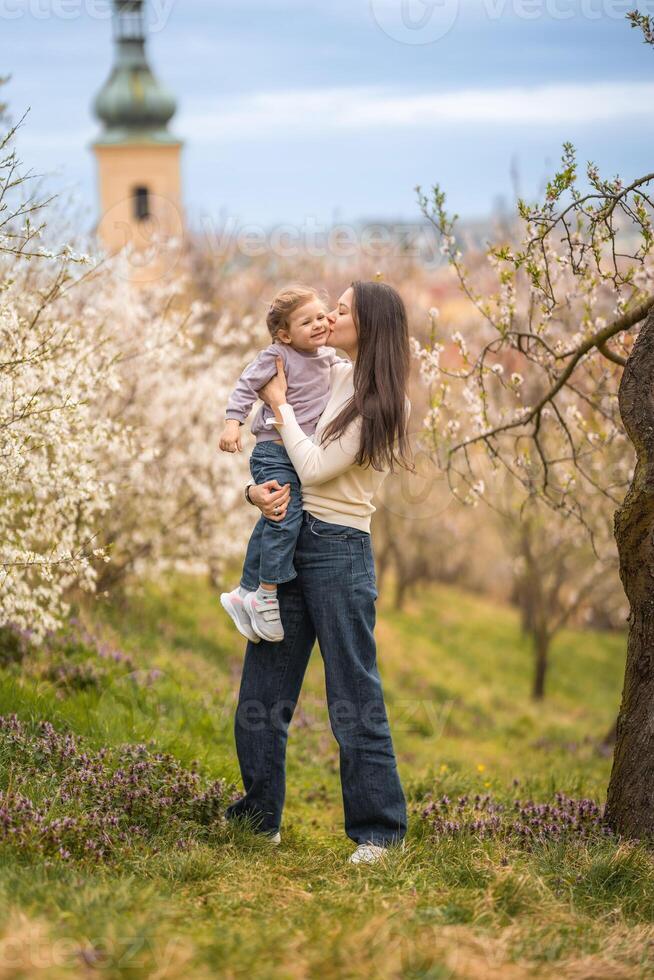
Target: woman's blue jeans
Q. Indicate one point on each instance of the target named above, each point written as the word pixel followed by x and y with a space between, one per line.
pixel 332 599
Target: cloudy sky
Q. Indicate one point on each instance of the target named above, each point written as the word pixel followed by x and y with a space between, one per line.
pixel 320 110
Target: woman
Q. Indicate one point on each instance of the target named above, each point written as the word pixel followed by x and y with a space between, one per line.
pixel 361 435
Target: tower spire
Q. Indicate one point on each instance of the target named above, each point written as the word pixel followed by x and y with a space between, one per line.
pixel 132 104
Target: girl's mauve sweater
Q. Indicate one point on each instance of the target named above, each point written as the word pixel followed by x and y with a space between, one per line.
pixel 308 378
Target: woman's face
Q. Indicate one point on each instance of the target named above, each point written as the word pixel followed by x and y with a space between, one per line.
pixel 344 332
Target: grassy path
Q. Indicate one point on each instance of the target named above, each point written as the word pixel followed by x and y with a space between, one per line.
pixel 220 902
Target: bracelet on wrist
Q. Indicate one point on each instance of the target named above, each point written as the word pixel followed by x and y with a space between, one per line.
pixel 247 494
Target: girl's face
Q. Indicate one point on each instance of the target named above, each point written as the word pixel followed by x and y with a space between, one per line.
pixel 308 327
pixel 344 332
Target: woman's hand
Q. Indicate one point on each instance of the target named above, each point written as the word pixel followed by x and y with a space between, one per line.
pixel 274 392
pixel 271 498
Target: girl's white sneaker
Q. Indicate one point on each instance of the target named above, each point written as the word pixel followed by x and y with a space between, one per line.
pixel 232 603
pixel 263 613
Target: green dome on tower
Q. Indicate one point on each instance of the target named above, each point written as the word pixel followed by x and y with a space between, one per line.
pixel 132 104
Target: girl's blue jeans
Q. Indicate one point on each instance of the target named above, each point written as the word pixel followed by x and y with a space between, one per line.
pixel 332 599
pixel 269 555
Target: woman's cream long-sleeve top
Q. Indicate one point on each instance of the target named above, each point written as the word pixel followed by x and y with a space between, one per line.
pixel 334 488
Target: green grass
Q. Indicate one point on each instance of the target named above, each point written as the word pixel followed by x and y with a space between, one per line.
pixel 456 674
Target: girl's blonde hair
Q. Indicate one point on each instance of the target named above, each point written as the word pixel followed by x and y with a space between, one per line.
pixel 285 303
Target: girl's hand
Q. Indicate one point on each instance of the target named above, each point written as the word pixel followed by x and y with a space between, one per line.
pixel 271 498
pixel 230 440
pixel 274 392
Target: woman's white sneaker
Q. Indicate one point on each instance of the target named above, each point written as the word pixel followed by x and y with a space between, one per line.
pixel 232 603
pixel 367 853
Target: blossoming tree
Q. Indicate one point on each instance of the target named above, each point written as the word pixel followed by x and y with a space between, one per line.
pixel 175 493
pixel 110 399
pixel 52 494
pixel 554 386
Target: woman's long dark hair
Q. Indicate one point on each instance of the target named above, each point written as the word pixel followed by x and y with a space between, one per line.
pixel 381 375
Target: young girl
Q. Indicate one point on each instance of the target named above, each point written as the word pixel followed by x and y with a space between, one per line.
pixel 297 320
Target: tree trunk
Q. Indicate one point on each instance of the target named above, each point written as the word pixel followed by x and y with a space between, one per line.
pixel 541 650
pixel 630 799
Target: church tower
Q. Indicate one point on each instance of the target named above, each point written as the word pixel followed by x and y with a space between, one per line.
pixel 138 159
